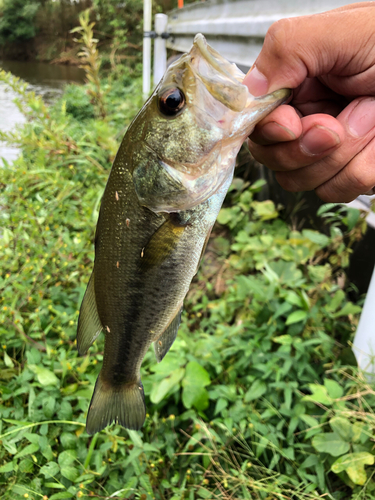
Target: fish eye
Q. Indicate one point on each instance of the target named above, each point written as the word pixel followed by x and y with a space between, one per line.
pixel 171 102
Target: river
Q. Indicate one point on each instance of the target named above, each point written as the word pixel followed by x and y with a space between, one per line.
pixel 47 80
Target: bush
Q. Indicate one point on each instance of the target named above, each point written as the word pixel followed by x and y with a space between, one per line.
pixel 78 103
pixel 16 23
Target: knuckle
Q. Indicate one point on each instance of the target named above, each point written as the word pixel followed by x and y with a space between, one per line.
pixel 278 37
pixel 288 181
pixel 327 195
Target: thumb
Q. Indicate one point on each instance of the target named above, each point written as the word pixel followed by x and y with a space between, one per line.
pixel 339 43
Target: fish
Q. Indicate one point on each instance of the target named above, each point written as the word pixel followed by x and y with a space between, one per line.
pixel 164 192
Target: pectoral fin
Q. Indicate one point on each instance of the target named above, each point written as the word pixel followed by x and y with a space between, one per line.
pixel 166 339
pixel 162 244
pixel 89 324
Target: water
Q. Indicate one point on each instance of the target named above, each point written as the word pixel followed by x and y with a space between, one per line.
pixel 44 79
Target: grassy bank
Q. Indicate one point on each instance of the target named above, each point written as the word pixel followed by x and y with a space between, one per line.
pixel 258 398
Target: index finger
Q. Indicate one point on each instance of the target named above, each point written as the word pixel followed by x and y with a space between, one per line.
pixel 338 42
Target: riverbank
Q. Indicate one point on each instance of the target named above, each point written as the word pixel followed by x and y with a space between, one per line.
pixel 46 80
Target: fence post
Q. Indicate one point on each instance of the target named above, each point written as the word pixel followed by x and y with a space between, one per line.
pixel 160 50
pixel 147 10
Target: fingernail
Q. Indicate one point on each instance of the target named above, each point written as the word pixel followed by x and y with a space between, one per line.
pixel 273 131
pixel 362 119
pixel 319 139
pixel 256 82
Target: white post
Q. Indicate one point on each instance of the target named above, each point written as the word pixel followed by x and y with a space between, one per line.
pixel 147 10
pixel 364 340
pixel 160 50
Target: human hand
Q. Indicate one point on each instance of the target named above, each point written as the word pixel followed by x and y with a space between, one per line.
pixel 324 139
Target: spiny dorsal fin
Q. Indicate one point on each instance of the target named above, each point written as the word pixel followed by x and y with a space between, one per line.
pixel 123 404
pixel 166 339
pixel 89 324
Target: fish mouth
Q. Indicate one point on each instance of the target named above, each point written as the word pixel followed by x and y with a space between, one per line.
pixel 220 77
pixel 223 80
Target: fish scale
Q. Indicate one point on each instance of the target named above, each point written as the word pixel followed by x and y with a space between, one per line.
pixel 164 192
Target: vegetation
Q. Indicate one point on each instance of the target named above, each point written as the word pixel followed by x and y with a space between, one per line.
pixel 41 28
pixel 259 397
pixel 17 21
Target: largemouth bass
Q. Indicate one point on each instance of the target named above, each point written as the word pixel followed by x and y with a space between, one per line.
pixel 164 192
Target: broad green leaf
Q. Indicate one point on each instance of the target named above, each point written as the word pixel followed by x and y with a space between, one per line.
pixel 282 310
pixel 196 375
pixel 66 411
pixel 194 382
pixel 357 429
pixel 130 486
pixel 50 469
pixel 8 361
pixel 266 210
pixel 68 440
pixel 319 395
pixel 284 339
pixel 69 472
pixel 326 207
pixel 161 389
pixel 334 389
pixel 354 465
pixel 221 404
pixel 331 443
pixel 203 493
pixel 48 406
pixel 136 438
pixel 349 308
pixel 28 450
pixel 294 299
pixel 6 235
pixel 336 301
pixel 10 447
pixel 295 317
pixel 257 389
pixel 67 457
pixel 342 426
pixel 26 466
pixel 353 216
pixel 7 467
pixel 56 486
pixel 195 396
pixel 316 237
pixel 44 376
pixel 309 420
pixel 61 495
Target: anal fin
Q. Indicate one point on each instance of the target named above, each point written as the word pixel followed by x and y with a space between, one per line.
pixel 89 324
pixel 166 339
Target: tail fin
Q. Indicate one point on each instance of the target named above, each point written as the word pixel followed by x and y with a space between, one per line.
pixel 124 405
